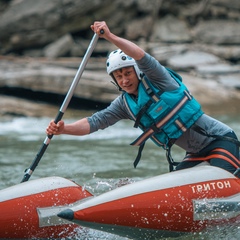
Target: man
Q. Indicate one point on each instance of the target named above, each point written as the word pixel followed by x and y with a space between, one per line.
pixel 160 104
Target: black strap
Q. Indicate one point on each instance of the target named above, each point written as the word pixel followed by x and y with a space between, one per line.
pixel 171 162
pixel 148 88
pixel 139 155
pixel 141 113
pixel 237 173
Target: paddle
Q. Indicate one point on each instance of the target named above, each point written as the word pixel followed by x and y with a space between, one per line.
pixel 92 45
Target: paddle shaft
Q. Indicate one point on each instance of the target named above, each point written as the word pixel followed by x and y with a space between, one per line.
pixel 92 45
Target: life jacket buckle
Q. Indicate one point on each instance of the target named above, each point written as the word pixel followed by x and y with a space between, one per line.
pixel 149 91
pixel 155 128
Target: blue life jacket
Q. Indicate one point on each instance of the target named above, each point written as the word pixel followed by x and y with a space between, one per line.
pixel 162 115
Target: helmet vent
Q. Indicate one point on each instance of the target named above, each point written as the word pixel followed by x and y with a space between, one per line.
pixel 118 59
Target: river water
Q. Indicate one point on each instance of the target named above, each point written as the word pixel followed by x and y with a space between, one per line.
pixel 101 161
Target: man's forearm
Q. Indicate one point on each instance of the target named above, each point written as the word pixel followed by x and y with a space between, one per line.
pixel 128 47
pixel 80 127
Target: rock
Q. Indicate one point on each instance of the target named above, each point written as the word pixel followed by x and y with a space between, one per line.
pixel 42 77
pixel 17 107
pixel 225 74
pixel 208 32
pixel 164 52
pixel 59 48
pixel 135 30
pixel 206 91
pixel 228 53
pixel 33 18
pixel 214 69
pixel 103 48
pixel 214 96
pixel 171 30
pixel 228 9
pixel 230 81
pixel 192 59
pixel 37 23
pixel 29 25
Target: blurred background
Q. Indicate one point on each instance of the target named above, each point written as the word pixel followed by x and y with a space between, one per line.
pixel 42 43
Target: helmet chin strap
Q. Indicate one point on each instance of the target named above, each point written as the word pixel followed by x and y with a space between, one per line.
pixel 114 82
pixel 116 85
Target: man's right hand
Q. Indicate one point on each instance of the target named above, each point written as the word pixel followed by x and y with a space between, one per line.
pixel 55 129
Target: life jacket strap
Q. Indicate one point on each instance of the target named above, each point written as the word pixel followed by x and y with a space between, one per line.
pixel 141 113
pixel 237 173
pixel 139 155
pixel 171 162
pixel 155 96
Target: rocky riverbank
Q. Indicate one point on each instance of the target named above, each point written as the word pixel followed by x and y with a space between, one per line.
pixel 37 87
pixel 44 41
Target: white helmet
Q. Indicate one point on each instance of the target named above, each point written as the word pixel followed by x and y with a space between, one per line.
pixel 118 59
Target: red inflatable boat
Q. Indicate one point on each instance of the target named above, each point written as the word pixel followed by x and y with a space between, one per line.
pixel 20 207
pixel 169 205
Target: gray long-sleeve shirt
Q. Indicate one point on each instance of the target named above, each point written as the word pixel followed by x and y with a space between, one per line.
pixel 191 141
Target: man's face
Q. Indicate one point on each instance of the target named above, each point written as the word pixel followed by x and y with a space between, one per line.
pixel 127 79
